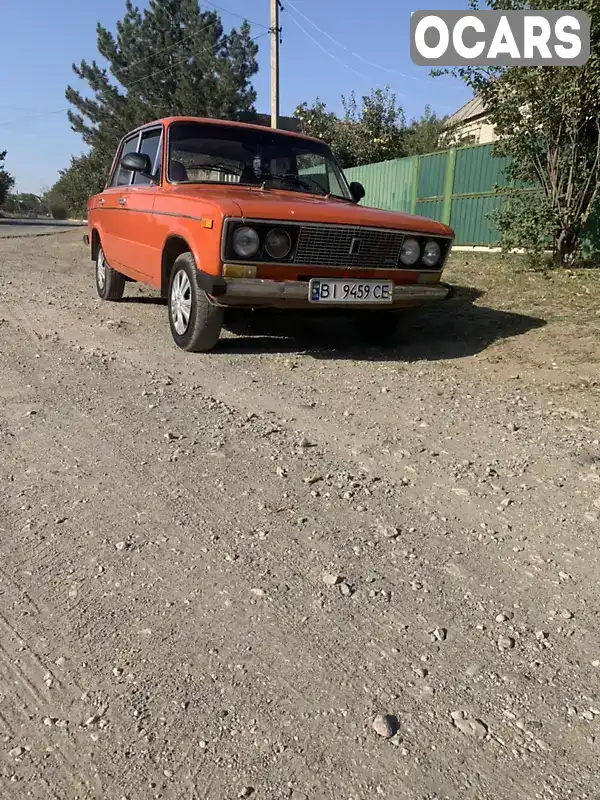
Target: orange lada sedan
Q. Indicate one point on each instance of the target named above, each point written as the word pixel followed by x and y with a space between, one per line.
pixel 219 215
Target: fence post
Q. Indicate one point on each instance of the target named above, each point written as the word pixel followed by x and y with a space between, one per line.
pixel 415 184
pixel 448 186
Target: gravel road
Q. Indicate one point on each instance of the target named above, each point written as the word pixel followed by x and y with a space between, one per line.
pixel 16 228
pixel 287 569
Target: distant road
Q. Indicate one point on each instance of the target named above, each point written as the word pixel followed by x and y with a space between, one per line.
pixel 34 227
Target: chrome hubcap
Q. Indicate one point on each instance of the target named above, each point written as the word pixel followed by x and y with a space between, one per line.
pixel 101 269
pixel 181 302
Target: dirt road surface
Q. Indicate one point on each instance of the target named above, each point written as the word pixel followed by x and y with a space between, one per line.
pixel 16 228
pixel 216 570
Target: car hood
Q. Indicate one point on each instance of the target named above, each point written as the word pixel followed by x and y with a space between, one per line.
pixel 256 203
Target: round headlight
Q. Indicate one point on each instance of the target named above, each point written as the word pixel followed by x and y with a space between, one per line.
pixel 278 243
pixel 410 252
pixel 245 242
pixel 431 253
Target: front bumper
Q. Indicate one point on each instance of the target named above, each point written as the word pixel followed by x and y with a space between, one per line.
pixel 252 292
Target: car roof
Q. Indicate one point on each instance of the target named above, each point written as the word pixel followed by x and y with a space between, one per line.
pixel 230 123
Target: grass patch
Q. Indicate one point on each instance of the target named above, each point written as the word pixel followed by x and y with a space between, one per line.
pixel 507 282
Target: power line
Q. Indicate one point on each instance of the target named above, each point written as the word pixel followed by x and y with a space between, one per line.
pixel 351 52
pixel 234 14
pixel 139 80
pixel 339 44
pixel 181 60
pixel 18 108
pixel 125 69
pixel 169 47
pixel 324 49
pixel 34 116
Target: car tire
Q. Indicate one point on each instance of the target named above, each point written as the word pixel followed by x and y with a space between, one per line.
pixel 195 321
pixel 110 284
pixel 378 328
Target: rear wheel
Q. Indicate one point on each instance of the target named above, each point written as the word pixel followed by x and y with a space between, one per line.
pixel 110 284
pixel 378 328
pixel 195 321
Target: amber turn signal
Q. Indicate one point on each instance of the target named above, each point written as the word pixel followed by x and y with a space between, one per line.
pixel 239 271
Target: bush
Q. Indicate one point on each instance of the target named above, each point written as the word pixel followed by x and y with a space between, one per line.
pixel 525 221
pixel 59 210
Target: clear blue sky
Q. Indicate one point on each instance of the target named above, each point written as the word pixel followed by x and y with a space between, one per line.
pixel 42 39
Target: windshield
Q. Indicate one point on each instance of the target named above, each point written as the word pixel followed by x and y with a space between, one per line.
pixel 206 153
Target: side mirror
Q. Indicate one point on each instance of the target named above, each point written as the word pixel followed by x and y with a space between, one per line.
pixel 138 162
pixel 358 191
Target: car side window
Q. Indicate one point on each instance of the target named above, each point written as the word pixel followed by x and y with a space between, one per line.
pixel 122 177
pixel 149 146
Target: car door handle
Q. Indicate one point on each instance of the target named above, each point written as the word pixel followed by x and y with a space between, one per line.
pixel 101 201
pixel 121 201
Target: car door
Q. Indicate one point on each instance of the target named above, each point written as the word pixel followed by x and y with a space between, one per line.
pixel 139 248
pixel 111 228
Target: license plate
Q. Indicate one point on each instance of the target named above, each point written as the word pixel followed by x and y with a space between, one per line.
pixel 353 291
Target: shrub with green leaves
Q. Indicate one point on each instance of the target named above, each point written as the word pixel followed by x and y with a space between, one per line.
pixel 548 123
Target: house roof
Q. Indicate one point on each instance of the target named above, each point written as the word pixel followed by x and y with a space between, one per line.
pixel 473 108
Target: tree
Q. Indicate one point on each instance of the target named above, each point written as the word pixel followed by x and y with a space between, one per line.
pixel 317 121
pixel 84 177
pixel 170 59
pixel 25 203
pixel 6 180
pixel 548 123
pixel 375 131
pixel 426 134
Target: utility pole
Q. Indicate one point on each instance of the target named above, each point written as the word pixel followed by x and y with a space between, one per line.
pixel 275 31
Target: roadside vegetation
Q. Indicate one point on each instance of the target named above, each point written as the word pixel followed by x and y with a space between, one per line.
pixel 173 58
pixel 548 122
pixel 509 282
pixel 373 130
pixel 6 180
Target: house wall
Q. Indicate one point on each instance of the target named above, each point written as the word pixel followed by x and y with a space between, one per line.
pixel 479 128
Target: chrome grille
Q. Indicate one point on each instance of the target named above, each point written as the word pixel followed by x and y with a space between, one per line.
pixel 348 246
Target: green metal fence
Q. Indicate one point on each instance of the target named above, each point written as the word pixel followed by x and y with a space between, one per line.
pixel 456 187
pixel 389 184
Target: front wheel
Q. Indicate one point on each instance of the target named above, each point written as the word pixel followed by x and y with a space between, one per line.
pixel 110 284
pixel 195 321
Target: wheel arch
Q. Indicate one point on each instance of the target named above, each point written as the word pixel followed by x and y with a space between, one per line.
pixel 174 246
pixel 94 243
